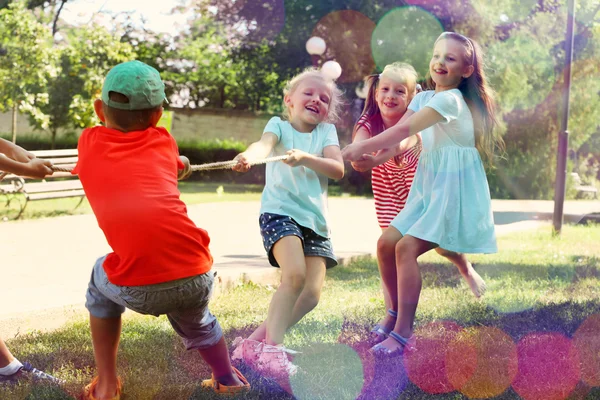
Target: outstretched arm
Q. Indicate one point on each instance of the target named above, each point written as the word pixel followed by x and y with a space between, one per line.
pixel 417 122
pixel 18 161
pixel 256 151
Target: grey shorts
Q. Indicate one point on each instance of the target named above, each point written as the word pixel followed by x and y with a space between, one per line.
pixel 274 226
pixel 184 301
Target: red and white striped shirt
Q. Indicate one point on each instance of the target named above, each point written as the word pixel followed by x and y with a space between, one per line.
pixel 391 181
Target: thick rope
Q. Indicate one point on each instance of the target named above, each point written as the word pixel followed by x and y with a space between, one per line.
pixel 202 167
pixel 58 168
pixel 232 163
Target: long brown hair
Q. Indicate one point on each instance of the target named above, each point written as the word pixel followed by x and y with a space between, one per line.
pixel 401 72
pixel 479 97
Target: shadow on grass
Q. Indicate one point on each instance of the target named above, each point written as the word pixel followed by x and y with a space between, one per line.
pixel 440 275
pixel 388 378
pixel 155 364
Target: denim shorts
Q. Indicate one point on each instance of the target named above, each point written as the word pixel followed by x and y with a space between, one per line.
pixel 274 226
pixel 184 301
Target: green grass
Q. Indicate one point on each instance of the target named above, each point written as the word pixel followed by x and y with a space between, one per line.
pixel 191 193
pixel 538 286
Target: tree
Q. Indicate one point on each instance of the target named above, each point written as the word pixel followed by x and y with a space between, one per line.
pixel 48 10
pixel 26 63
pixel 77 78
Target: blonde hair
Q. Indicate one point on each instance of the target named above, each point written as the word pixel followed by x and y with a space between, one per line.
pixel 398 71
pixel 403 73
pixel 336 95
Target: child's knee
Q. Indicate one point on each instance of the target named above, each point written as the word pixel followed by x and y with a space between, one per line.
pixel 295 280
pixel 403 252
pixel 385 245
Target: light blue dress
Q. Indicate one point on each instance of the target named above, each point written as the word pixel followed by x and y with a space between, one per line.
pixel 298 192
pixel 449 202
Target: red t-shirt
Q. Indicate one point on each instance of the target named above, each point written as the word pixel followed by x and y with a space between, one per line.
pixel 130 180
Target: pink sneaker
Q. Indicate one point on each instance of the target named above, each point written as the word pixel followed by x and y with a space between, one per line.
pixel 246 350
pixel 273 361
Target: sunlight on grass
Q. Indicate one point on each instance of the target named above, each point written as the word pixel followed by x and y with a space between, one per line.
pixel 537 285
pixel 191 193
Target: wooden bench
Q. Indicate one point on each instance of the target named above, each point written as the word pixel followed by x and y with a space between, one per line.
pixel 58 185
pixel 581 188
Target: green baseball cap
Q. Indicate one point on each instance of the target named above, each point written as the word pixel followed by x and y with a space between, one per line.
pixel 139 82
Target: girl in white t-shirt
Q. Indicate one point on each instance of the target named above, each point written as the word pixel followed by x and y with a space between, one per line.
pixel 293 214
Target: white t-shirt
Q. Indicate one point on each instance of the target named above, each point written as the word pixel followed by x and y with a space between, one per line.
pixel 457 127
pixel 298 192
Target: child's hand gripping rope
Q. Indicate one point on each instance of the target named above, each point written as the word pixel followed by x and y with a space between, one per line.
pixel 235 163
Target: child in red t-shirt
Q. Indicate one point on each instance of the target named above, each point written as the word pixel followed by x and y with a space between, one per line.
pixel 160 262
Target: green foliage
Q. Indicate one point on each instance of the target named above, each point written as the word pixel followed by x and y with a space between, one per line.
pixel 76 81
pixel 26 63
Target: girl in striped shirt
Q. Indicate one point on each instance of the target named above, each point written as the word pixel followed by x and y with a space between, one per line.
pixel 393 169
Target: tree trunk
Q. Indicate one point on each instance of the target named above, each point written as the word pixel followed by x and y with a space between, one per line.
pixel 14 123
pixel 55 22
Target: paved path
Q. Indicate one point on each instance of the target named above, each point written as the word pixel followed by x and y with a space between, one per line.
pixel 45 263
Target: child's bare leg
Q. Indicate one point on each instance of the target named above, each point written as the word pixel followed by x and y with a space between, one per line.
pixel 106 333
pixel 5 356
pixel 290 257
pixel 217 357
pixel 308 299
pixel 386 261
pixel 408 250
pixel 475 282
pixel 387 301
pixel 311 293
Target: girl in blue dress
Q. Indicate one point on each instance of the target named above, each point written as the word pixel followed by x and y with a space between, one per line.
pixel 448 207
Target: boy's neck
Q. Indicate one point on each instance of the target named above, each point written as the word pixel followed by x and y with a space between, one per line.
pixel 118 128
pixel 302 126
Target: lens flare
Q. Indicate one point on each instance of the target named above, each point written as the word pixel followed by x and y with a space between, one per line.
pixel 328 371
pixel 405 34
pixel 548 367
pixel 426 364
pixel 347 35
pixel 587 343
pixel 482 362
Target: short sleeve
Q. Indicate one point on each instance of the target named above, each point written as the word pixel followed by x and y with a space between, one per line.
pixel 176 151
pixel 81 150
pixel 331 137
pixel 415 104
pixel 448 104
pixel 274 126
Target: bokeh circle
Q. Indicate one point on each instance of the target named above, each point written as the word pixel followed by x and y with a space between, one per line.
pixel 587 343
pixel 329 371
pixel 482 362
pixel 548 367
pixel 347 34
pixel 405 34
pixel 426 364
